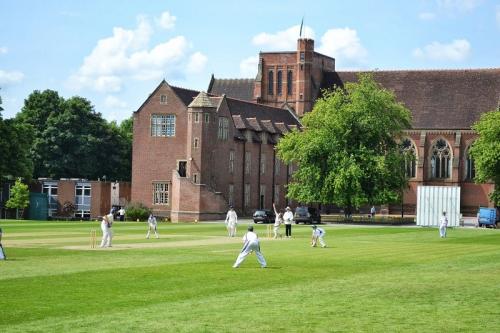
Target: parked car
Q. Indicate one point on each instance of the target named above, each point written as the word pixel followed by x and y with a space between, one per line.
pixel 487 217
pixel 263 216
pixel 307 215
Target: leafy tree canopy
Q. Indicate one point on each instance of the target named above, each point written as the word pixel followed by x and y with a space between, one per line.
pixel 15 143
pixel 486 152
pixel 71 139
pixel 348 152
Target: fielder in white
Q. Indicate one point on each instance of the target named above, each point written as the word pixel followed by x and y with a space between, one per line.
pixel 250 243
pixel 317 235
pixel 152 224
pixel 277 222
pixel 2 252
pixel 107 234
pixel 231 222
pixel 443 223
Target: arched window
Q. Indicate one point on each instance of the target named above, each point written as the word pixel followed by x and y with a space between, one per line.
pixel 470 168
pixel 440 160
pixel 270 87
pixel 289 82
pixel 410 155
pixel 279 80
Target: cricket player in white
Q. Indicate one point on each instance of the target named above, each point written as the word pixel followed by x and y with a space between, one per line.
pixel 317 235
pixel 152 224
pixel 231 222
pixel 107 234
pixel 2 252
pixel 443 223
pixel 251 243
pixel 277 222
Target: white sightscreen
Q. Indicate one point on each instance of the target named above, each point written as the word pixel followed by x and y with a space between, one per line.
pixel 432 201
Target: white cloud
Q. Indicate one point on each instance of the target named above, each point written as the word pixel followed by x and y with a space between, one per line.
pixel 197 62
pixel 249 66
pixel 457 50
pixel 282 40
pixel 126 55
pixel 344 45
pixel 460 5
pixel 427 16
pixel 114 102
pixel 3 50
pixel 166 20
pixel 12 77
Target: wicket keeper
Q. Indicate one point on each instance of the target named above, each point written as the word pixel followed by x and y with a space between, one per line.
pixel 317 235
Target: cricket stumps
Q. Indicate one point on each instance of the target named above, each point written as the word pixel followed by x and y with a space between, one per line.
pixel 92 238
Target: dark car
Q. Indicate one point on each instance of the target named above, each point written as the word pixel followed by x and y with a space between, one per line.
pixel 263 216
pixel 307 215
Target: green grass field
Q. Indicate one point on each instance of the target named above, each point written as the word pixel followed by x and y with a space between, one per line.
pixel 369 279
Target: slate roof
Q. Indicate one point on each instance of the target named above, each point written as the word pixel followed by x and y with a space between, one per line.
pixel 186 95
pixel 438 99
pixel 235 88
pixel 248 110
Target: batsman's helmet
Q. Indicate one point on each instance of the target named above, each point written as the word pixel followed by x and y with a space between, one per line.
pixel 250 228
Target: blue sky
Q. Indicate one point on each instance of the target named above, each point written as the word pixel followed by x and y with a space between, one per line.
pixel 115 53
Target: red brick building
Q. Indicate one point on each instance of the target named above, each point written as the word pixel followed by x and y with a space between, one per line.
pixel 91 198
pixel 194 154
pixel 188 163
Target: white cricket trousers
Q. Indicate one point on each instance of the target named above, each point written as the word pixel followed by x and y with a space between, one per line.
pixel 442 231
pixel 321 241
pixel 277 231
pixel 154 227
pixel 231 229
pixel 247 249
pixel 107 236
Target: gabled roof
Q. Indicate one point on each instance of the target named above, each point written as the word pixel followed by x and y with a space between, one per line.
pixel 185 95
pixel 438 99
pixel 202 101
pixel 235 88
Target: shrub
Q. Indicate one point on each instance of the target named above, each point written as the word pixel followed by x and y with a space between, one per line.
pixel 68 209
pixel 136 210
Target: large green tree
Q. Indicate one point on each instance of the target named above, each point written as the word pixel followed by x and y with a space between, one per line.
pixel 71 139
pixel 348 152
pixel 15 143
pixel 486 152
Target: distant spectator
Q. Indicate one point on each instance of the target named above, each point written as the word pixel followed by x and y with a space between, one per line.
pixel 372 212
